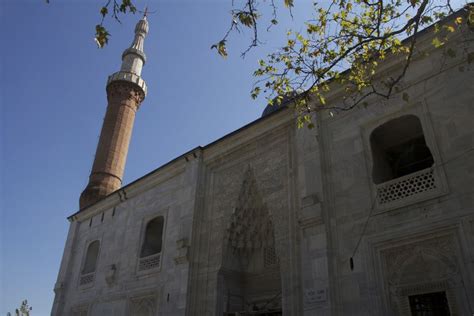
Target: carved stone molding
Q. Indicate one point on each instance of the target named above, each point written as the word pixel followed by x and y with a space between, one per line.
pixel 110 275
pixel 423 266
pixel 123 91
pixel 182 251
pixel 145 305
pixel 402 302
pixel 402 262
pixel 310 213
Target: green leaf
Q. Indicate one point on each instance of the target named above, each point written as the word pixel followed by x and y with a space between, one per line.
pixel 470 17
pixel 245 18
pixel 449 28
pixel 299 122
pixel 288 3
pixel 104 11
pixel 101 36
pixel 426 19
pixel 255 92
pixel 436 42
pixel 221 48
pixel 322 99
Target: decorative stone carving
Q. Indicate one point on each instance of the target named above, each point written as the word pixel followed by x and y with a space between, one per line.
pixel 436 253
pixel 183 250
pixel 110 274
pixel 420 267
pixel 250 224
pixel 143 306
pixel 122 91
pixel 310 213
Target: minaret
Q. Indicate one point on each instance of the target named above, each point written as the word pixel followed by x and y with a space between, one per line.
pixel 125 92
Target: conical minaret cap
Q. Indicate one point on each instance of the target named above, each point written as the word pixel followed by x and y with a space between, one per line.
pixel 136 48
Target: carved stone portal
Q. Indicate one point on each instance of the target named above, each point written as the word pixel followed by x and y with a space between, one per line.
pixel 249 278
pixel 425 266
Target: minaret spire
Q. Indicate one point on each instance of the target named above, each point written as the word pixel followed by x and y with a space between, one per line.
pixel 126 90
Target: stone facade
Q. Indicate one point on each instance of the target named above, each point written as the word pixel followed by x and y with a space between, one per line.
pixel 293 221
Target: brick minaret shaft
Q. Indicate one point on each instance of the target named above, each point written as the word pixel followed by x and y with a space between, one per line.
pixel 125 92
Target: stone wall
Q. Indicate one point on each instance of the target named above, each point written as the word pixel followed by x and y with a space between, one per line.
pixel 118 286
pixel 267 158
pixel 426 227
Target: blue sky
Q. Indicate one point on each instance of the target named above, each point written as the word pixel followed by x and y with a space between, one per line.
pixel 53 100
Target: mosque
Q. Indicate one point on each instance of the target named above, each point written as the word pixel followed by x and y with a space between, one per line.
pixel 369 213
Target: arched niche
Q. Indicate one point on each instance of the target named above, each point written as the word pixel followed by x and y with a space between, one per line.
pixel 250 277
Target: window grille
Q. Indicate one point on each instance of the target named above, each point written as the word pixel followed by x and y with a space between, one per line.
pixel 151 248
pixel 150 262
pixel 269 256
pixel 86 278
pixel 90 263
pixel 407 186
pixel 429 304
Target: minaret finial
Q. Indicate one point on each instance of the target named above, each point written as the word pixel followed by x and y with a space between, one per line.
pixel 145 13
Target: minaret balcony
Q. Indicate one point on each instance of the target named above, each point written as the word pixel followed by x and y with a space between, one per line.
pixel 129 77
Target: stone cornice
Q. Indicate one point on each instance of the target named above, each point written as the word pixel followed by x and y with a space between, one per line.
pixel 248 133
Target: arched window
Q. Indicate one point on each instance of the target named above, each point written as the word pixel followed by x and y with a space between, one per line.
pixel 153 238
pixel 91 257
pixel 398 149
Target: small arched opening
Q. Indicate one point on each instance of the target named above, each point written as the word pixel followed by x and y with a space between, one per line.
pixel 150 251
pixel 399 148
pixel 92 254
